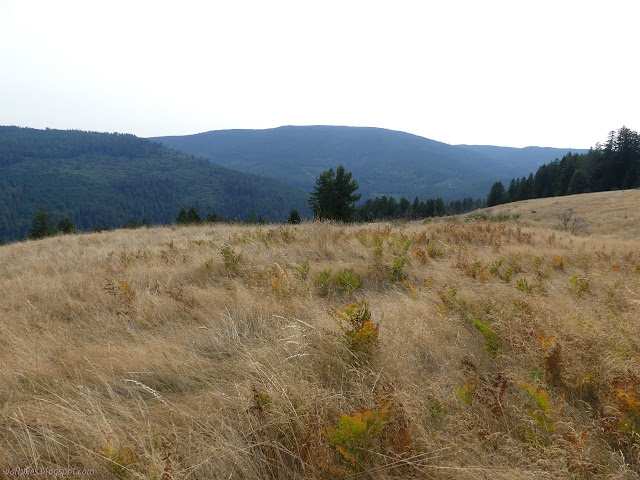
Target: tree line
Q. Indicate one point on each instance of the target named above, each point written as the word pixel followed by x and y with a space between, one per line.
pixel 612 166
pixel 388 208
pixel 334 197
pixel 43 223
pixel 192 217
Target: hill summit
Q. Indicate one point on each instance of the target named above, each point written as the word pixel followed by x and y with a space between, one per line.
pixel 384 162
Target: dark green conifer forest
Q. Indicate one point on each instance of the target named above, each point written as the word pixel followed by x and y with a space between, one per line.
pixel 388 208
pixel 612 166
pixel 101 179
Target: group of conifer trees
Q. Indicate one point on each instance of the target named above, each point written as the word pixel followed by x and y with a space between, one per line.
pixel 192 217
pixel 612 166
pixel 334 198
pixel 43 225
pixel 388 208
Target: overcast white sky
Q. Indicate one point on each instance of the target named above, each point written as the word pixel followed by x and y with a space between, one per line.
pixel 515 73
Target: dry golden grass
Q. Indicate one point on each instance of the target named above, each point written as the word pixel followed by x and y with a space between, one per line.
pixel 511 350
pixel 610 214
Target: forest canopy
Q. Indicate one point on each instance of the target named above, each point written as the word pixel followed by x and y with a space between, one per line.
pixel 99 179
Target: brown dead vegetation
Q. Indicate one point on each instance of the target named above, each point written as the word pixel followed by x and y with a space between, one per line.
pixel 493 349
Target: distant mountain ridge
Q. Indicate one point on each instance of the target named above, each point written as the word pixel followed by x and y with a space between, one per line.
pixel 527 157
pixel 383 162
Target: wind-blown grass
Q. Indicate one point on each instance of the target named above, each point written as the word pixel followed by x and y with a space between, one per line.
pixel 134 351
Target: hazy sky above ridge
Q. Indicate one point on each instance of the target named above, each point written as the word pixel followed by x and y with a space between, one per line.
pixel 549 73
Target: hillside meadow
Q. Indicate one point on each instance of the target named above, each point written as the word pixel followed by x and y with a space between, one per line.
pixel 615 215
pixel 502 345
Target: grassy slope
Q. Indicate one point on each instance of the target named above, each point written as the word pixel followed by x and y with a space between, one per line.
pixel 612 214
pixel 131 347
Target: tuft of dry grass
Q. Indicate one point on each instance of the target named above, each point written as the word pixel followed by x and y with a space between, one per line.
pixel 210 352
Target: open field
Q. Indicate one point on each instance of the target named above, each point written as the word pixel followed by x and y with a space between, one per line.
pixel 495 349
pixel 613 214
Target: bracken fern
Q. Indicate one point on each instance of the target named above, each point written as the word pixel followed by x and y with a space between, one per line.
pixel 360 332
pixel 354 434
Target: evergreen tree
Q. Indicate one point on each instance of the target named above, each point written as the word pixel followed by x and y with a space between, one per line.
pixel 66 226
pixel 455 207
pixel 529 188
pixel 514 189
pixel 334 195
pixel 496 195
pixel 430 208
pixel 323 198
pixel 415 208
pixel 135 224
pixel 193 217
pixel 188 217
pixel 577 183
pixel 391 208
pixel 182 217
pixel 294 217
pixel 41 224
pixel 467 204
pixel 404 206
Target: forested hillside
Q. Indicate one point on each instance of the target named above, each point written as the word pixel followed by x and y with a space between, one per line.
pixel 612 166
pixel 101 179
pixel 384 162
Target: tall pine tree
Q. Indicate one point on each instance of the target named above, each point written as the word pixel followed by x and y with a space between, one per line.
pixel 334 196
pixel 41 224
pixel 497 195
